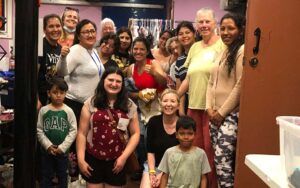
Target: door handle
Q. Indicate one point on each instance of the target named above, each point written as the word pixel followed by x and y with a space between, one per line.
pixel 257 33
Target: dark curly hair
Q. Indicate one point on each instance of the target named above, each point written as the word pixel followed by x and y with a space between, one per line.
pixel 100 99
pixel 234 47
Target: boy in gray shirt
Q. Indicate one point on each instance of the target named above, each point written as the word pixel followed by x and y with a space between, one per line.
pixel 184 165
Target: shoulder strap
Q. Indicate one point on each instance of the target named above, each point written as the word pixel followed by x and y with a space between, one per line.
pixel 114 125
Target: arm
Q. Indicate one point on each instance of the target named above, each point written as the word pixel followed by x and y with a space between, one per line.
pixel 157 72
pixel 66 144
pixel 203 181
pixel 183 87
pixel 131 145
pixel 66 65
pixel 209 107
pixel 233 99
pixel 42 138
pixel 81 140
pixel 182 99
pixel 164 180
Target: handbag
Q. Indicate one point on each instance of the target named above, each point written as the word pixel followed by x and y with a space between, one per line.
pixel 132 163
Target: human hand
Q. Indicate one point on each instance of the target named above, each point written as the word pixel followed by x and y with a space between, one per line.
pixel 85 168
pixel 58 151
pixel 157 180
pixel 148 68
pixel 64 51
pixel 51 150
pixel 119 165
pixel 217 118
pixel 152 178
pixel 210 113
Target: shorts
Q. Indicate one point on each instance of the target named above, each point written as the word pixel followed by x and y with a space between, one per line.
pixel 103 173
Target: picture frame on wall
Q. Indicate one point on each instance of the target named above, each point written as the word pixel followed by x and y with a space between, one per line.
pixel 6 9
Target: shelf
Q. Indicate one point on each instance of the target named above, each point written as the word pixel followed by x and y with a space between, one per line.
pixel 268 168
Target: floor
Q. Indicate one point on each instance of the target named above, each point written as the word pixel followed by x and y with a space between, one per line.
pixel 130 184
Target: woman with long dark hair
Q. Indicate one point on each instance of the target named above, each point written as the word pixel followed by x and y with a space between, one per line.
pixel 123 45
pixel 222 99
pixel 101 152
pixel 82 69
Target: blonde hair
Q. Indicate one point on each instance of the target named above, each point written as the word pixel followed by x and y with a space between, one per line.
pixel 169 42
pixel 167 91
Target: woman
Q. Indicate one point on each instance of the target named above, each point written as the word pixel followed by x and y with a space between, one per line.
pixel 101 152
pixel 147 74
pixel 160 53
pixel 199 62
pixel 107 26
pixel 106 49
pixel 121 55
pixel 70 19
pixel 186 37
pixel 222 99
pixel 82 69
pixel 174 49
pixel 149 79
pixel 160 136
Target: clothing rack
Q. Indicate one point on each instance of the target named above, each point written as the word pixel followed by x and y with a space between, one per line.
pixel 149 28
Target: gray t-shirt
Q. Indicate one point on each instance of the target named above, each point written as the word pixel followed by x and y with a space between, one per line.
pixel 184 168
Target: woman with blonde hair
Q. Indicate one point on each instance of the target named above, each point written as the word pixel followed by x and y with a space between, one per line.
pixel 160 136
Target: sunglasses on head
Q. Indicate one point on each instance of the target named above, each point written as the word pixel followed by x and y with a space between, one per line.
pixel 70 8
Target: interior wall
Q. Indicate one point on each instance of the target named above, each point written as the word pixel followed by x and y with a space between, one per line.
pixel 186 9
pixel 93 13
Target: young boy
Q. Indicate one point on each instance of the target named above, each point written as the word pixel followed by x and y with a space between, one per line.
pixel 56 131
pixel 184 165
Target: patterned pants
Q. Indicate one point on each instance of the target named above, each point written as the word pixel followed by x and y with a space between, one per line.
pixel 224 143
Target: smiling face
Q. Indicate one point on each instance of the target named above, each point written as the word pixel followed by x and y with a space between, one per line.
pixel 163 39
pixel 175 49
pixel 87 37
pixel 107 28
pixel 113 84
pixel 107 48
pixel 186 37
pixel 206 24
pixel 229 31
pixel 169 104
pixel 125 41
pixel 70 19
pixel 139 51
pixel 53 30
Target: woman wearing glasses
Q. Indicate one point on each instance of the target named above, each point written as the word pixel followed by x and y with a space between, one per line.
pixel 82 69
pixel 70 19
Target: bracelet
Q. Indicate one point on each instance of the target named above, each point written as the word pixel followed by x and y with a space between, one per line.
pixel 152 172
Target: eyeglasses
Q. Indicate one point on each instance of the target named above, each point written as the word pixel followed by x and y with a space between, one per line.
pixel 70 8
pixel 88 32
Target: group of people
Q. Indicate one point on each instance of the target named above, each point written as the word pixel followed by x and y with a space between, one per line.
pixel 174 105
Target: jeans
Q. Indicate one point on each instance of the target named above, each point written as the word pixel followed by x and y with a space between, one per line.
pixel 51 165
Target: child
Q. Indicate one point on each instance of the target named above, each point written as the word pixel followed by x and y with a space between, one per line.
pixel 184 165
pixel 56 131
